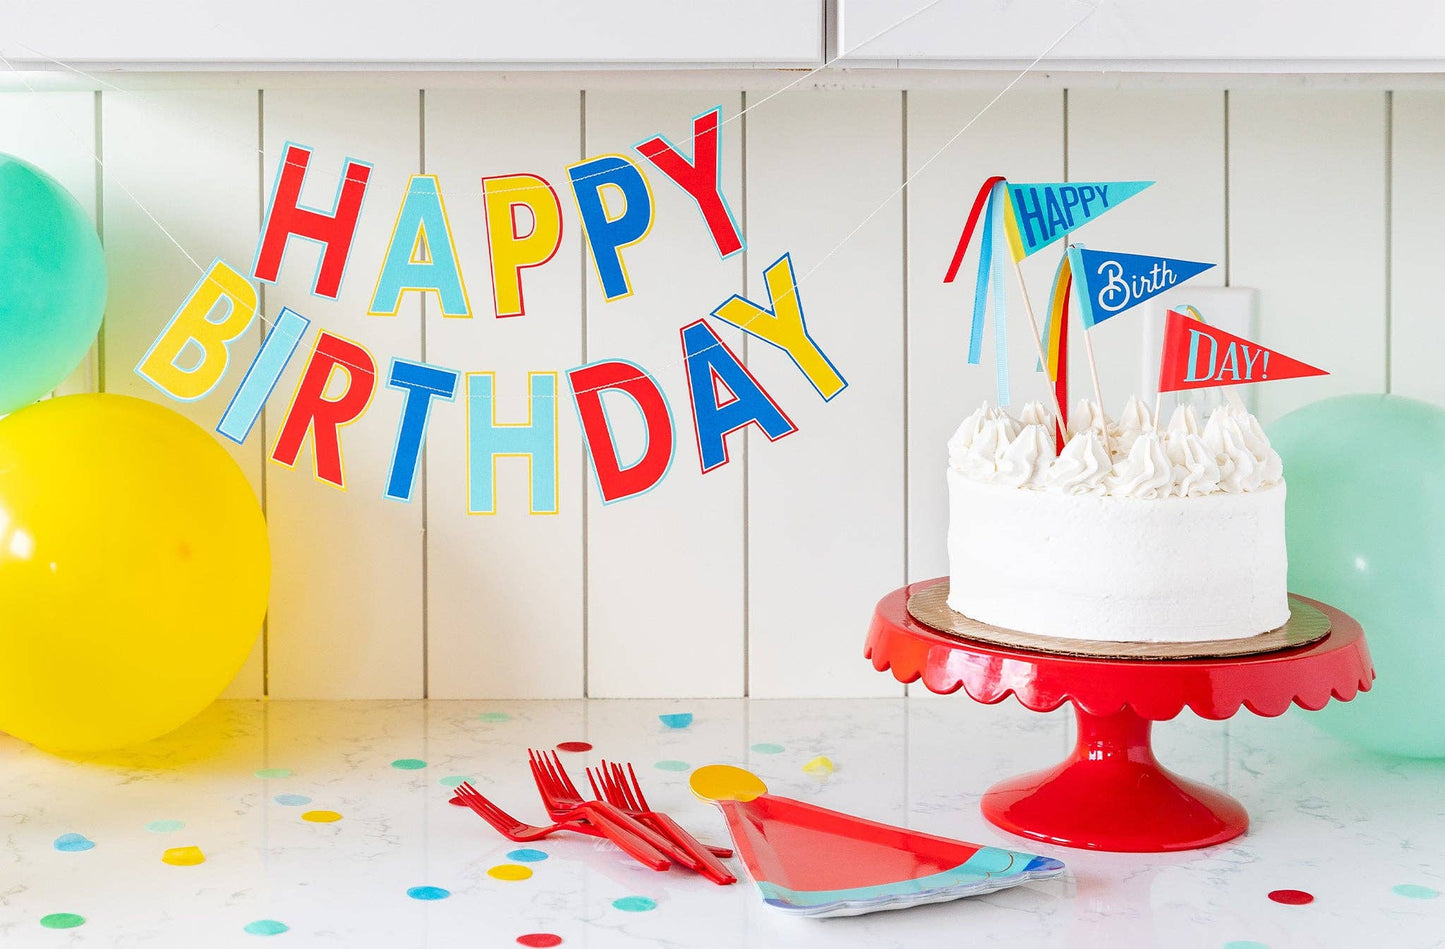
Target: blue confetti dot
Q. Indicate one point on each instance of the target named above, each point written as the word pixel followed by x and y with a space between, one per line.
pixel 767 748
pixel 165 826
pixel 1412 891
pixel 527 855
pixel 677 720
pixel 1245 944
pixel 292 800
pixel 408 764
pixel 428 893
pixel 73 843
pixel 634 904
pixel 671 765
pixel 266 927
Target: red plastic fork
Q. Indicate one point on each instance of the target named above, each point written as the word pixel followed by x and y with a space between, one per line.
pixel 614 787
pixel 513 829
pixel 561 796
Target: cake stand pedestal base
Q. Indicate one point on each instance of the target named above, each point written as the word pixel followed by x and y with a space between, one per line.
pixel 1112 794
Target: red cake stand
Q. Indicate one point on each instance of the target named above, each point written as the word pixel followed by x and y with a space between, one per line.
pixel 1111 793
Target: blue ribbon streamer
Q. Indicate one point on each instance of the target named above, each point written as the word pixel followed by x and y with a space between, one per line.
pixel 997 295
pixel 980 286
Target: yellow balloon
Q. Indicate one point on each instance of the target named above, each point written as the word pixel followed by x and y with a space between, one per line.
pixel 134 571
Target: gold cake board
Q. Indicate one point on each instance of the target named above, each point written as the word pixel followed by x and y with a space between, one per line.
pixel 1304 626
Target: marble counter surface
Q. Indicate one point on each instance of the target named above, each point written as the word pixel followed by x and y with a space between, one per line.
pixel 251 784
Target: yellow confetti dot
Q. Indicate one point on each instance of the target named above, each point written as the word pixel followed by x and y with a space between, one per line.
pixel 819 767
pixel 321 817
pixel 722 782
pixel 509 871
pixel 183 856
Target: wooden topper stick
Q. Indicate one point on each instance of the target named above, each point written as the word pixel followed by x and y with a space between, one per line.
pixel 1038 341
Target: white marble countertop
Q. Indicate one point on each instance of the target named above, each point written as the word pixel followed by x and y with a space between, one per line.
pixel 1364 834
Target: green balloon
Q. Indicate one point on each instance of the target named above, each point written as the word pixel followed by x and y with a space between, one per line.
pixel 52 283
pixel 1364 518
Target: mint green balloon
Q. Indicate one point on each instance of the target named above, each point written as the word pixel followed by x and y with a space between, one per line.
pixel 52 283
pixel 1365 524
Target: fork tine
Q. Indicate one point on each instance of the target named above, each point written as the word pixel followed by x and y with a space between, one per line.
pixel 621 781
pixel 566 781
pixel 616 794
pixel 597 792
pixel 637 787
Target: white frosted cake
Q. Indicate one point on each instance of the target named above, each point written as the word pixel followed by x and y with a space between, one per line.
pixel 1135 533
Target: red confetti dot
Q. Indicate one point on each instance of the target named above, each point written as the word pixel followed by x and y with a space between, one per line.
pixel 1291 897
pixel 539 940
pixel 456 802
pixel 575 746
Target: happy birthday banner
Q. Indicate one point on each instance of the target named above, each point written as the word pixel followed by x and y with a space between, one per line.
pixel 191 356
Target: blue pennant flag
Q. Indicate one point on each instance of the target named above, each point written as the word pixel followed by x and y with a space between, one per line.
pixel 1043 213
pixel 1110 283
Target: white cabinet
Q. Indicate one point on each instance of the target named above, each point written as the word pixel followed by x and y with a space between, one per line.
pixel 422 33
pixel 1152 35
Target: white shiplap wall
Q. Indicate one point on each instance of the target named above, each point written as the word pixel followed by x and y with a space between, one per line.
pixel 757 577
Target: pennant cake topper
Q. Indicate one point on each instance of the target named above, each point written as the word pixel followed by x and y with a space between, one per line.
pixel 1111 282
pixel 1197 356
pixel 1043 213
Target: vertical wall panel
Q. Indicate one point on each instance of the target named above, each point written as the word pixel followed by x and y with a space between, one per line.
pixel 665 569
pixel 1174 138
pixel 56 131
pixel 1021 137
pixel 1418 217
pixel 1307 227
pixel 346 601
pixel 504 591
pixel 190 160
pixel 826 514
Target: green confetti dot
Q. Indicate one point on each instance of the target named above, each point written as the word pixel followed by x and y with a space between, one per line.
pixel 62 921
pixel 634 904
pixel 452 780
pixel 266 927
pixel 1414 891
pixel 1245 944
pixel 165 826
pixel 494 717
pixel 408 764
pixel 768 748
pixel 670 765
pixel 273 773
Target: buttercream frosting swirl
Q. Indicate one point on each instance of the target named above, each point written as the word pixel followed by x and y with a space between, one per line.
pixel 1081 468
pixel 1228 454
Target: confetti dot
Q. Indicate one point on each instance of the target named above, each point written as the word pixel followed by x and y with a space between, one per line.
pixel 819 767
pixel 634 904
pixel 494 717
pixel 539 940
pixel 1414 891
pixel 1245 944
pixel 677 719
pixel 408 764
pixel 1291 897
pixel 73 843
pixel 428 893
pixel 670 765
pixel 578 746
pixel 321 817
pixel 509 871
pixel 527 855
pixel 456 802
pixel 268 773
pixel 452 780
pixel 165 826
pixel 767 748
pixel 62 921
pixel 292 800
pixel 266 927
pixel 183 857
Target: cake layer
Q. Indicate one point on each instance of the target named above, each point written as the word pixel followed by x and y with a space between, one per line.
pixel 1117 568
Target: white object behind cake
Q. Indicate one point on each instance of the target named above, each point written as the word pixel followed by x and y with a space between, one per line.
pixel 1174 536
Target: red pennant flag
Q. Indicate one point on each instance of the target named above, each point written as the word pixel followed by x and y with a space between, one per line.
pixel 1199 356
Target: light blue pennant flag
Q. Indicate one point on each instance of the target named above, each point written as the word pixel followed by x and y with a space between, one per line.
pixel 1110 282
pixel 1043 213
